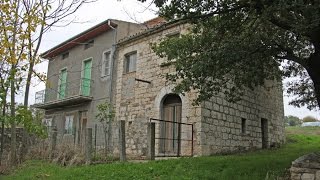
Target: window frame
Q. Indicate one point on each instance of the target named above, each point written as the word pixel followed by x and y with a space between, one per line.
pixel 104 64
pixel 127 61
pixel 60 82
pixel 82 73
pixel 47 122
pixel 70 129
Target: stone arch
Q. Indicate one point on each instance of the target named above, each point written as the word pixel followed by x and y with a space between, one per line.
pixel 158 103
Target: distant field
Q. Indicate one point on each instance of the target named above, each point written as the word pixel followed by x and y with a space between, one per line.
pixel 264 164
pixel 303 130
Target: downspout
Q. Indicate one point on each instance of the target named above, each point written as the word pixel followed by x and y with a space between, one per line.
pixel 109 147
pixel 113 49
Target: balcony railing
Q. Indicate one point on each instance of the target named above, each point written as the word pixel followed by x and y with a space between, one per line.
pixel 75 88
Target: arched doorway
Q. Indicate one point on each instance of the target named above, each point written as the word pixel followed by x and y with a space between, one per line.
pixel 170 130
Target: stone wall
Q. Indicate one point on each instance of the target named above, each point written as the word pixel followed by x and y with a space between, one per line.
pixel 222 121
pixel 306 167
pixel 7 137
pixel 217 123
pixel 137 102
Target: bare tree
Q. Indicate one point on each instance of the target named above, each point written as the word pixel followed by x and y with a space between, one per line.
pixel 56 16
pixel 23 24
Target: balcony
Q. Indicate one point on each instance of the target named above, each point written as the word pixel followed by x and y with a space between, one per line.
pixel 66 94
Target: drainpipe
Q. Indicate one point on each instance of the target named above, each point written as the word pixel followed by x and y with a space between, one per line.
pixel 111 79
pixel 113 59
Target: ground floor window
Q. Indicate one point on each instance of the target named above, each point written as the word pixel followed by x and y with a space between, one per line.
pixel 68 125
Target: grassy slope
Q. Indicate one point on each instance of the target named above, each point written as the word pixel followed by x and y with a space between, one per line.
pixel 254 165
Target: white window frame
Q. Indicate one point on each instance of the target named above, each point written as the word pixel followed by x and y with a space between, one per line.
pixel 106 65
pixel 68 124
pixel 127 62
pixel 47 122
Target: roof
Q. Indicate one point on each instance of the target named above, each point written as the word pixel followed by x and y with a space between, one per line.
pixel 154 22
pixel 80 38
pixel 156 28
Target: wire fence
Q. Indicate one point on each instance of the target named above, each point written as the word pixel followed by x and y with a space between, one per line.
pixel 173 139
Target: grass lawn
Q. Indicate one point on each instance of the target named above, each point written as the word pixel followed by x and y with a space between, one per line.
pixel 254 165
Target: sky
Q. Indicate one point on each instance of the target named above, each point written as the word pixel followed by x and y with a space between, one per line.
pixel 127 10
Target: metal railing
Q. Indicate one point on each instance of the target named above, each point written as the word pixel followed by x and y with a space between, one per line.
pixel 80 86
pixel 174 138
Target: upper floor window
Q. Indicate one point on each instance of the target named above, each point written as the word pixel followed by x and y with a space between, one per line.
pixel 65 55
pixel 89 44
pixel 106 63
pixel 130 62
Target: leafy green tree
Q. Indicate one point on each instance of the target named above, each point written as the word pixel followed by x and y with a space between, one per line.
pixel 309 119
pixel 30 121
pixel 234 45
pixel 292 121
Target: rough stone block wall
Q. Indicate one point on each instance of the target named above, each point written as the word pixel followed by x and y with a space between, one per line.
pixel 137 102
pixel 306 167
pixel 217 123
pixel 222 121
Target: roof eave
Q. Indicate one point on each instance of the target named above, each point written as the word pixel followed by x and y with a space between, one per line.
pixel 75 40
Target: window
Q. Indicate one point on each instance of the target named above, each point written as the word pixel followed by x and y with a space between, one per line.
pixel 89 44
pixel 65 55
pixel 47 122
pixel 62 88
pixel 68 128
pixel 243 125
pixel 130 62
pixel 106 61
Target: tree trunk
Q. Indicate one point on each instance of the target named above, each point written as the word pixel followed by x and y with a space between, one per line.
pixel 2 130
pixel 25 136
pixel 13 147
pixel 105 140
pixel 313 69
pixel 109 136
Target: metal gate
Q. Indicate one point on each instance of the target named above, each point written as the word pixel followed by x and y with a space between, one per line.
pixel 173 139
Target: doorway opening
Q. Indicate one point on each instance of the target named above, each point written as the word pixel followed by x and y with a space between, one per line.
pixel 170 129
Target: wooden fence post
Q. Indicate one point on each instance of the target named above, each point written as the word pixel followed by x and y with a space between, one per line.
pixel 151 140
pixel 89 145
pixel 53 141
pixel 122 141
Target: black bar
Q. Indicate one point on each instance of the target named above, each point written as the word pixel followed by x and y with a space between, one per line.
pixel 141 80
pixel 178 154
pixel 179 140
pixel 95 140
pixel 170 156
pixel 192 140
pixel 151 119
pixel 174 139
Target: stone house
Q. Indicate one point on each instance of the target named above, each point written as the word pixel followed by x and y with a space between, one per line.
pixel 142 92
pixel 79 77
pixel 139 92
